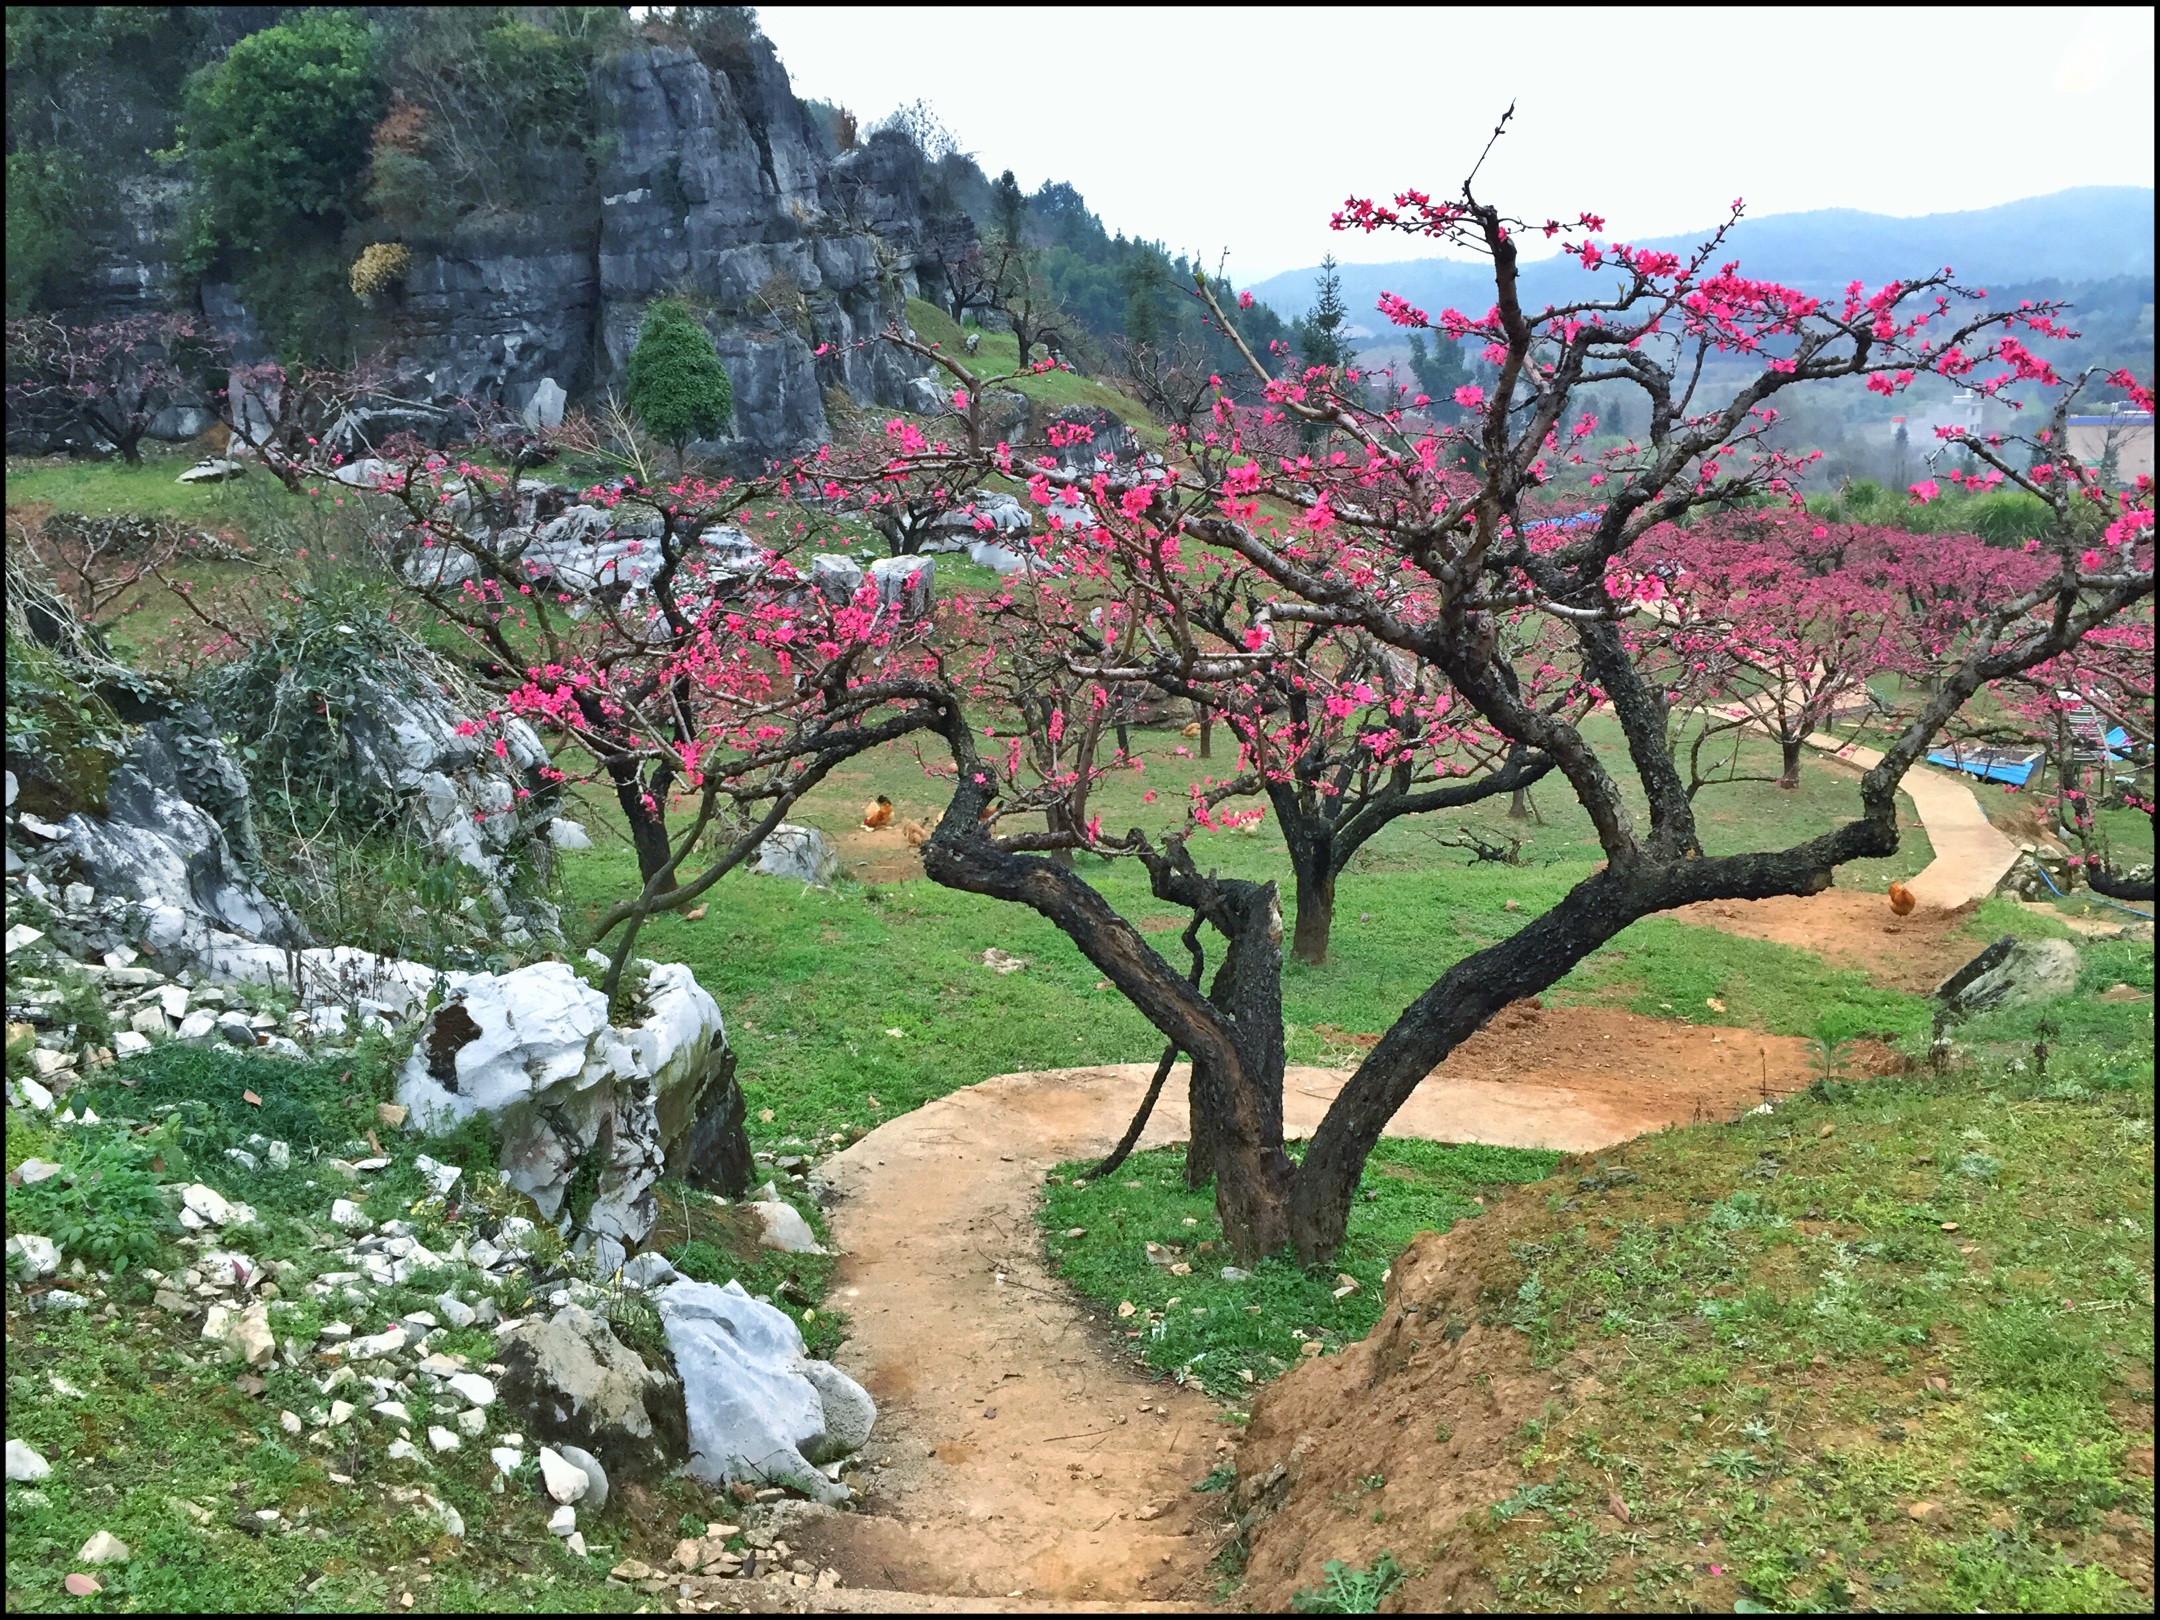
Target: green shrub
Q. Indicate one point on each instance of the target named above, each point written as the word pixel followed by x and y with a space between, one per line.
pixel 104 1206
pixel 675 383
pixel 277 133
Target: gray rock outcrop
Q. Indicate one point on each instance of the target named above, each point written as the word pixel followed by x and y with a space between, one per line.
pixel 2012 973
pixel 906 587
pixel 574 1383
pixel 798 852
pixel 168 877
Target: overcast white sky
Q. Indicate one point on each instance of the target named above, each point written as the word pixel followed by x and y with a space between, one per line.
pixel 1245 129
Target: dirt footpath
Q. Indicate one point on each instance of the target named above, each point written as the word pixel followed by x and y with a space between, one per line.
pixel 1028 1460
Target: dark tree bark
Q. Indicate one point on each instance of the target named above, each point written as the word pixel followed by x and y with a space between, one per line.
pixel 648 827
pixel 1315 914
pixel 1791 748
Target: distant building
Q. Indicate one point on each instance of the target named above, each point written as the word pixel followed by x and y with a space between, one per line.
pixel 2127 434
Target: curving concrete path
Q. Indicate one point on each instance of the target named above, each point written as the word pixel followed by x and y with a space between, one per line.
pixel 1971 855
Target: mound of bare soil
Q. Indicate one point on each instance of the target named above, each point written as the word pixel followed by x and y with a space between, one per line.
pixel 1430 1404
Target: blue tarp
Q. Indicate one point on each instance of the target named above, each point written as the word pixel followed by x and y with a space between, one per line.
pixel 2015 766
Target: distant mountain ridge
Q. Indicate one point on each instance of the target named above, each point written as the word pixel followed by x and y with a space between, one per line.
pixel 2087 233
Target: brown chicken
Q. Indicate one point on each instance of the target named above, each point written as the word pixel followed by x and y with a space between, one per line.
pixel 877 812
pixel 914 834
pixel 1192 730
pixel 1902 899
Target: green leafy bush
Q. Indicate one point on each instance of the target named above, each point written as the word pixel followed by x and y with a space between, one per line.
pixel 104 1206
pixel 676 386
pixel 277 132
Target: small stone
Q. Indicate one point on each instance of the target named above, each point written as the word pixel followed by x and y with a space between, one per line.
pixel 31 1256
pixel 22 934
pixel 471 1386
pixel 446 1518
pixel 565 1481
pixel 507 1458
pixel 647 1271
pixel 290 1422
pixel 402 1450
pixel 596 1480
pixel 562 1521
pixel 209 1205
pixel 455 1311
pixel 244 1159
pixel 340 1413
pixel 441 1177
pixel 1311 1347
pixel 198 1026
pixel 442 1439
pixel 386 1343
pixel 83 1586
pixel 575 1540
pixel 104 1548
pixel 149 1021
pixel 393 1410
pixel 24 1464
pixel 472 1421
pixel 130 1043
pixel 784 1228
pixel 391 1114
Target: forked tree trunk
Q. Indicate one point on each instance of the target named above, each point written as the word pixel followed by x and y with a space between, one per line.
pixel 1253 1175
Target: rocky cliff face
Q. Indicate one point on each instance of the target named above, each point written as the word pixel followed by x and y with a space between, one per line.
pixel 717 190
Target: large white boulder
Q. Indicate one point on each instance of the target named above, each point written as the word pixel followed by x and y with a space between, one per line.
pixel 906 586
pixel 534 1051
pixel 759 1409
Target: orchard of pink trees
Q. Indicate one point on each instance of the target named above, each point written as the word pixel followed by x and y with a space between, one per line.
pixel 1388 615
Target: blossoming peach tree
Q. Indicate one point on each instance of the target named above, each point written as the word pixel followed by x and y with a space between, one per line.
pixel 1377 537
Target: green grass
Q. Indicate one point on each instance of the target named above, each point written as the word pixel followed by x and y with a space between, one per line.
pixel 98 488
pixel 1230 1335
pixel 1947 1301
pixel 999 352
